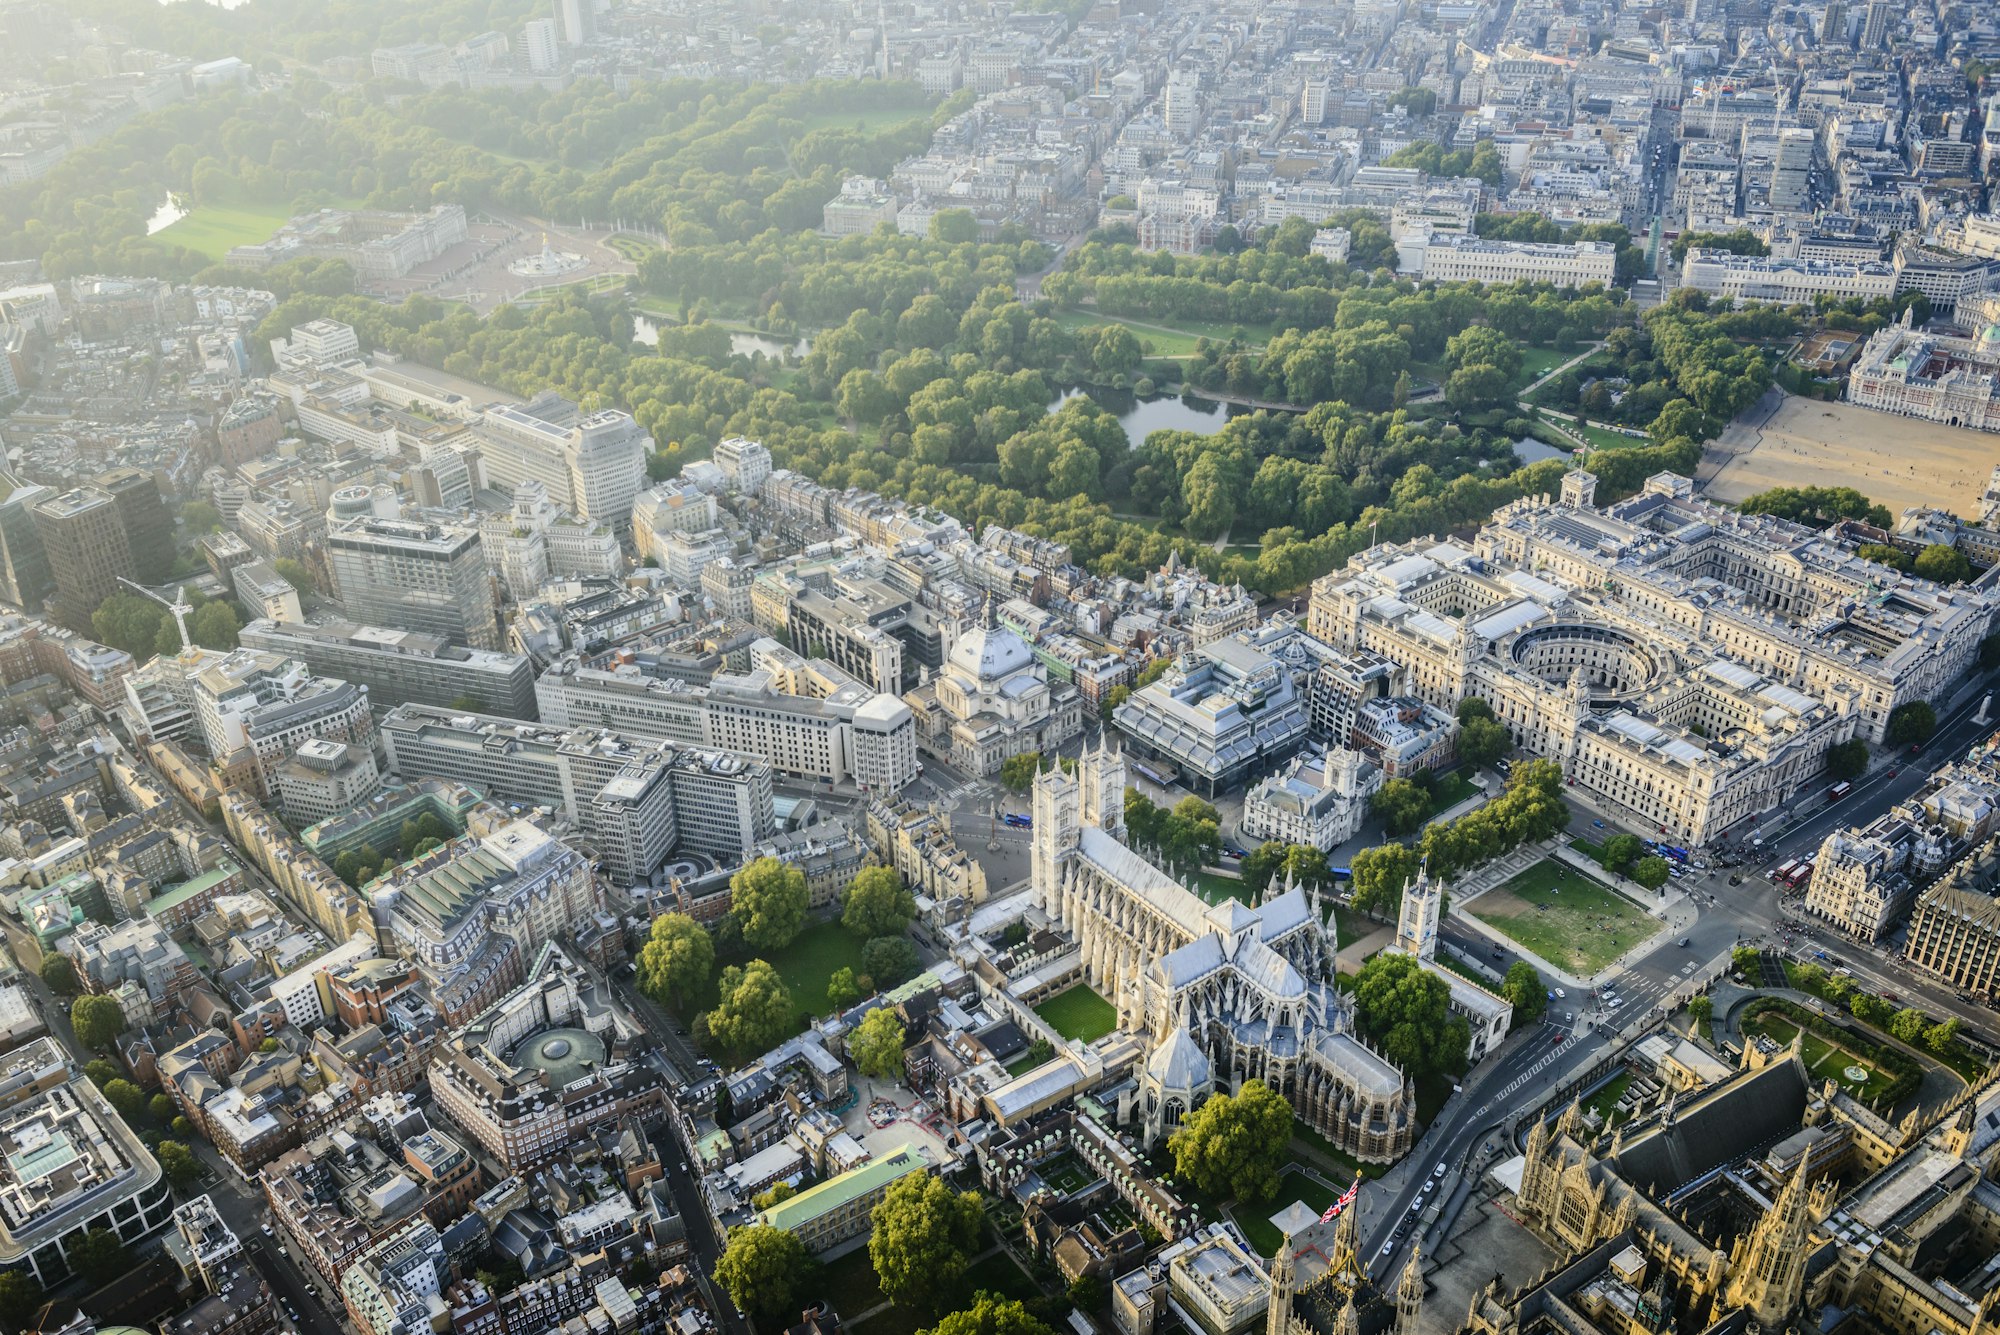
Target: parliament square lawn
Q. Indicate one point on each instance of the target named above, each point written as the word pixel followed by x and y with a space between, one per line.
pixel 1574 922
pixel 1079 1014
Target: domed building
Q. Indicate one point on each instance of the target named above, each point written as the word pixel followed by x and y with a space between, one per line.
pixel 991 700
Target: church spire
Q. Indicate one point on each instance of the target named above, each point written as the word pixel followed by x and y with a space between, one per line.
pixel 1410 1293
pixel 1278 1316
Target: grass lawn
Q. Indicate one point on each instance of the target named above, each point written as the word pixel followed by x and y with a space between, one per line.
pixel 1538 362
pixel 806 966
pixel 1823 1058
pixel 1349 927
pixel 213 228
pixel 1593 851
pixel 1447 960
pixel 1068 1175
pixel 871 120
pixel 1575 923
pixel 1176 339
pixel 1432 1091
pixel 1345 1165
pixel 999 1273
pixel 1608 440
pixel 1021 1065
pixel 1606 1099
pixel 1078 1013
pixel 1448 790
pixel 1255 1220
pixel 1215 888
pixel 634 248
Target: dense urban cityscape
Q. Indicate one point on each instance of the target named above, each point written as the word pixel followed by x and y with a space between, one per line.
pixel 958 667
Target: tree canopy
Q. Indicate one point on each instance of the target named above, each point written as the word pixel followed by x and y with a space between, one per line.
pixel 877 1044
pixel 924 1235
pixel 877 903
pixel 675 962
pixel 753 1009
pixel 768 899
pixel 762 1269
pixel 96 1021
pixel 1406 1012
pixel 1234 1144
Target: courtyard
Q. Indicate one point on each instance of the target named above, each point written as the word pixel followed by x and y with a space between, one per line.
pixel 1824 1058
pixel 1574 922
pixel 1079 1014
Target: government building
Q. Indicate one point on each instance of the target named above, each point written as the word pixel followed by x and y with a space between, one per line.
pixel 1686 665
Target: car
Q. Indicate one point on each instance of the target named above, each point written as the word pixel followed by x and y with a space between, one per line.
pixel 1388 1246
pixel 1425 1189
pixel 1597 825
pixel 1417 1205
pixel 1234 852
pixel 1684 942
pixel 1561 995
pixel 266 1228
pixel 1439 1170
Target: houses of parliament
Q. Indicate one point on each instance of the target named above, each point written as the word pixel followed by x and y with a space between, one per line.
pixel 1762 1203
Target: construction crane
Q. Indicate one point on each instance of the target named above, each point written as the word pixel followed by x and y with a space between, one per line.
pixel 180 607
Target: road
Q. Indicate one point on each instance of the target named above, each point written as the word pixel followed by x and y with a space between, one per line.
pixel 1712 919
pixel 1521 1077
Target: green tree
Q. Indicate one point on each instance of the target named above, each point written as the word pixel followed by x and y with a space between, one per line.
pixel 923 1236
pixel 1482 741
pixel 752 1011
pixel 761 1269
pixel 1942 564
pixel 676 960
pixel 878 903
pixel 1523 987
pixel 59 974
pixel 1234 1145
pixel 179 1164
pixel 1472 707
pixel 991 1314
pixel 777 1194
pixel 1910 723
pixel 129 622
pixel 954 226
pixel 1622 852
pixel 1848 759
pixel 100 1072
pixel 1087 1293
pixel 890 959
pixel 127 1098
pixel 214 626
pixel 1909 1024
pixel 20 1298
pixel 768 898
pixel 1017 773
pixel 1120 693
pixel 97 1021
pixel 1652 872
pixel 1401 806
pixel 1940 1036
pixel 877 1044
pixel 841 989
pixel 1379 875
pixel 1406 1012
pixel 99 1257
pixel 294 573
pixel 161 1107
pixel 1041 1051
pixel 1701 1008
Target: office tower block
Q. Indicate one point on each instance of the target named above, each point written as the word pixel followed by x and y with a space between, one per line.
pixel 594 468
pixel 1875 26
pixel 414 576
pixel 579 21
pixel 83 534
pixel 149 525
pixel 24 564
